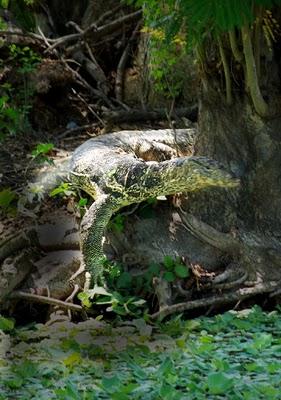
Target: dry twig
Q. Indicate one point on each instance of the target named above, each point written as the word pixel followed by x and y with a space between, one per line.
pixel 46 300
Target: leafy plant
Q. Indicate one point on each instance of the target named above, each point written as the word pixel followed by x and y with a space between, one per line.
pixel 166 64
pixel 6 324
pixel 64 189
pixel 15 102
pixel 41 151
pixel 228 24
pixel 10 116
pixel 25 57
pixel 198 359
pixel 174 269
pixel 117 223
pixel 21 12
pixel 7 200
pixel 121 305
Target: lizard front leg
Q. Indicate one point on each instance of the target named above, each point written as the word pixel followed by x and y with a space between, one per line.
pixel 92 229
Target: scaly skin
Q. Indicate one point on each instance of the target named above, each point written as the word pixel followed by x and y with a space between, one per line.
pixel 108 168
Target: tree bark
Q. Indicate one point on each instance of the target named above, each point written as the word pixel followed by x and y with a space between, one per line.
pixel 249 146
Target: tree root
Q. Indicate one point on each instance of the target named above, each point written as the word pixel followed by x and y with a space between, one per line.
pixel 238 295
pixel 206 233
pixel 16 242
pixel 257 252
pixel 231 284
pixel 13 272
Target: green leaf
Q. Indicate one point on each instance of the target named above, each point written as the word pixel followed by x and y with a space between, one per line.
pixel 5 3
pixel 82 202
pixel 124 280
pixel 26 369
pixel 63 189
pixel 85 299
pixel 219 383
pixel 72 359
pixel 6 324
pixel 168 262
pixel 119 396
pixel 181 271
pixel 139 302
pixel 262 341
pixel 42 148
pixel 169 276
pixel 14 383
pixel 6 197
pixel 99 290
pixel 154 269
pixel 165 367
pixel 111 384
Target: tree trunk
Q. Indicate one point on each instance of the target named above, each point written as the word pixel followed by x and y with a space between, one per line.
pixel 249 146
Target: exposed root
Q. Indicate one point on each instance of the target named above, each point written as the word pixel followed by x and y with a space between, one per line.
pixel 232 284
pixel 238 295
pixel 13 271
pixel 206 233
pixel 16 242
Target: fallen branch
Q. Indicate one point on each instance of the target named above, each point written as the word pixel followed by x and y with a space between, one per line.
pixel 98 32
pixel 90 108
pixel 93 69
pixel 22 34
pixel 86 85
pixel 112 26
pixel 153 115
pixel 108 14
pixel 240 294
pixel 46 300
pixel 75 130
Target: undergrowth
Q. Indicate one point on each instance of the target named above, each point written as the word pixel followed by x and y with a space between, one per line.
pixel 235 355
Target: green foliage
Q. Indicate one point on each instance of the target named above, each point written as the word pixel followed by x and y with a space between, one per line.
pixel 22 12
pixel 127 291
pixel 167 63
pixel 15 102
pixel 235 355
pixel 145 210
pixel 117 223
pixel 11 116
pixel 25 58
pixel 200 17
pixel 67 190
pixel 64 189
pixel 174 269
pixel 6 324
pixel 4 3
pixel 7 201
pixel 115 302
pixel 41 151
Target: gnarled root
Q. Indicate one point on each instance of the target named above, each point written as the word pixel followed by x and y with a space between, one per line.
pixel 233 297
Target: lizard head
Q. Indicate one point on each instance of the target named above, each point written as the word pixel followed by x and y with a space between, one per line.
pixel 209 172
